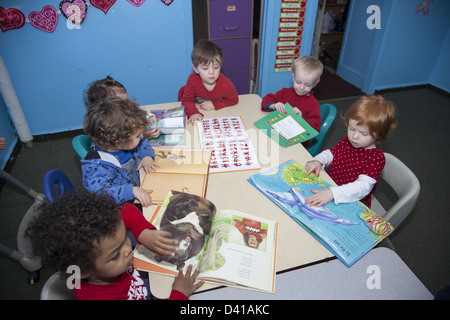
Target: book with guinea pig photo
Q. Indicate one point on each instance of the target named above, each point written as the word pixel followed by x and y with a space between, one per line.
pixel 227 246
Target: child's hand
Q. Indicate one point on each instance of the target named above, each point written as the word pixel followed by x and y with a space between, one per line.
pixel 278 106
pixel 313 166
pixel 185 283
pixel 207 105
pixel 152 134
pixel 296 111
pixel 319 198
pixel 143 196
pixel 158 241
pixel 195 117
pixel 148 164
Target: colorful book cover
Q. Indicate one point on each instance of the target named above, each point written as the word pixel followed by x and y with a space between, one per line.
pixel 172 124
pixel 286 128
pixel 348 230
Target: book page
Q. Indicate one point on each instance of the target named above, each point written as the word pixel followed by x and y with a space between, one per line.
pixel 240 251
pixel 288 128
pixel 230 145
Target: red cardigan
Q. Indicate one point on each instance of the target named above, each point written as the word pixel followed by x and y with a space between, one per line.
pixel 223 95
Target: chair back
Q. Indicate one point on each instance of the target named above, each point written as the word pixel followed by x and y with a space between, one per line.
pixel 328 114
pixel 55 288
pixel 56 184
pixel 405 184
pixel 81 144
pixel 180 93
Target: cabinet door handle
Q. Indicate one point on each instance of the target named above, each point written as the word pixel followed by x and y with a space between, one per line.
pixel 229 28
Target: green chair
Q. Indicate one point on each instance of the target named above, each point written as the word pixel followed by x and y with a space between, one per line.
pixel 328 114
pixel 81 144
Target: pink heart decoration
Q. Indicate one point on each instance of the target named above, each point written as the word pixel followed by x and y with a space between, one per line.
pixel 11 18
pixel 75 10
pixel 45 20
pixel 136 3
pixel 103 5
pixel 167 2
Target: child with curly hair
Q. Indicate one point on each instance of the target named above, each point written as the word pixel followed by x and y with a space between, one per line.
pixel 89 230
pixel 115 127
pixel 100 89
pixel 356 162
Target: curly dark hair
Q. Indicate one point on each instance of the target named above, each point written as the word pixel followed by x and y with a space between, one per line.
pixel 114 120
pixel 100 89
pixel 66 232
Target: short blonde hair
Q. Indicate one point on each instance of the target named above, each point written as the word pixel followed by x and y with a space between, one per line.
pixel 308 64
pixel 375 112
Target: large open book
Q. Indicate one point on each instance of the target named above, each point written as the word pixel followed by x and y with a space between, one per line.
pixel 348 230
pixel 183 170
pixel 286 128
pixel 229 247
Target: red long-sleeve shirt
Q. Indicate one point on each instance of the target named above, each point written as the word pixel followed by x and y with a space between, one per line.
pixel 223 95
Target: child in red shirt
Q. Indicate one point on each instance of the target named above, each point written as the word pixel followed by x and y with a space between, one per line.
pixel 306 72
pixel 207 86
pixel 356 162
pixel 89 231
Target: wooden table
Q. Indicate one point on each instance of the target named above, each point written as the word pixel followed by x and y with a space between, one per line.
pixel 231 190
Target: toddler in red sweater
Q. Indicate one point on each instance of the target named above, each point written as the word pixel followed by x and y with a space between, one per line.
pixel 207 86
pixel 306 72
pixel 89 231
pixel 356 162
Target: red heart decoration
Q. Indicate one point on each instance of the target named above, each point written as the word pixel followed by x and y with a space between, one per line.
pixel 75 10
pixel 167 2
pixel 11 18
pixel 103 5
pixel 136 3
pixel 45 20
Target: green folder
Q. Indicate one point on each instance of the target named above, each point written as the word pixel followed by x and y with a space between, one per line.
pixel 286 128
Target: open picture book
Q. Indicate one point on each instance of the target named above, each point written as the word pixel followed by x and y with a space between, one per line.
pixel 172 125
pixel 183 170
pixel 227 246
pixel 286 128
pixel 348 230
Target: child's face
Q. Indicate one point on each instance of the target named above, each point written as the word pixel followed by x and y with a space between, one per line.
pixel 359 136
pixel 133 143
pixel 116 257
pixel 209 73
pixel 304 82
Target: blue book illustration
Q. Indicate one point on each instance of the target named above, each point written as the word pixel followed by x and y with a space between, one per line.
pixel 348 230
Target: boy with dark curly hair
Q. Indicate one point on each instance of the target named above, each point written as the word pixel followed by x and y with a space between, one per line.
pixel 115 127
pixel 90 231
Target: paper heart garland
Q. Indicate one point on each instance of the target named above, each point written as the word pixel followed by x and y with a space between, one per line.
pixel 136 3
pixel 45 20
pixel 103 5
pixel 11 18
pixel 75 10
pixel 167 2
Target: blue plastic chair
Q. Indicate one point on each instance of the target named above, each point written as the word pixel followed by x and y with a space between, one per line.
pixel 56 184
pixel 81 144
pixel 328 114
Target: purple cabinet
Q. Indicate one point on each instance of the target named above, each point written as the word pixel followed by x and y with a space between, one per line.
pixel 228 23
pixel 230 18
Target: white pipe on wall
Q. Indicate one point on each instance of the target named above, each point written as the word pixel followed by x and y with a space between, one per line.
pixel 12 103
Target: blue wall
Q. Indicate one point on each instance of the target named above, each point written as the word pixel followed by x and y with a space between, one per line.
pixel 409 49
pixel 147 48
